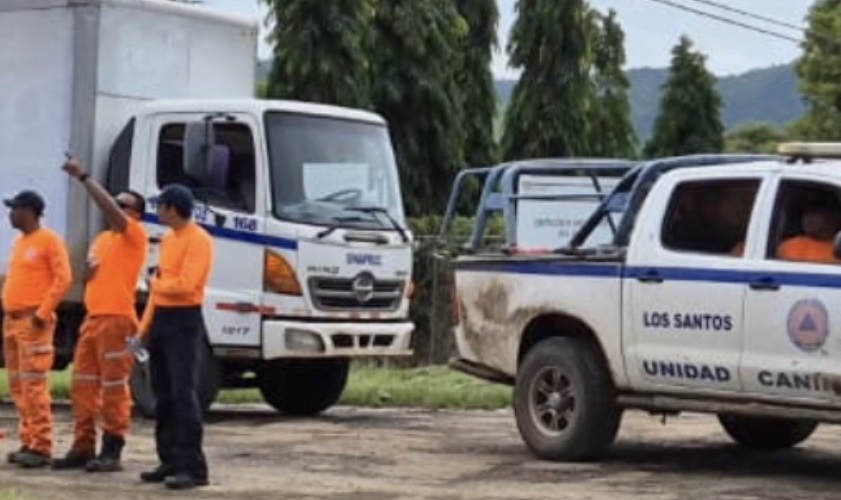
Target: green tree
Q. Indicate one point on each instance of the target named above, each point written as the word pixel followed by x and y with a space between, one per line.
pixel 611 122
pixel 321 51
pixel 415 89
pixel 548 113
pixel 476 81
pixel 689 119
pixel 819 70
pixel 753 138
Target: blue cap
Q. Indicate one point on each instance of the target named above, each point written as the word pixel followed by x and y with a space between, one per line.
pixel 178 196
pixel 27 199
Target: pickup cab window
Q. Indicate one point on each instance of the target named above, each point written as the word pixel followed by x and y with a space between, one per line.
pixel 709 217
pixel 806 218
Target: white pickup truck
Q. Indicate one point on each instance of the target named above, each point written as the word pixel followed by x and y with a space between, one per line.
pixel 720 292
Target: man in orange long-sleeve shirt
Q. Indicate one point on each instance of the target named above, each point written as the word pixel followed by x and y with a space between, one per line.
pixel 820 223
pixel 175 327
pixel 102 364
pixel 38 276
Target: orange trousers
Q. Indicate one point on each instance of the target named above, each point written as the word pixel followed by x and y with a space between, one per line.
pixel 101 368
pixel 28 354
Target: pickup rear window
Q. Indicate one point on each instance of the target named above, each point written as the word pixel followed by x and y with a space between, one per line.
pixel 709 216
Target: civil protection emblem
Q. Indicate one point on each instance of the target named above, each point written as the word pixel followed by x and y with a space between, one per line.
pixel 808 324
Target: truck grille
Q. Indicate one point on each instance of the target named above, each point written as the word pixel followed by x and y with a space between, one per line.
pixel 360 293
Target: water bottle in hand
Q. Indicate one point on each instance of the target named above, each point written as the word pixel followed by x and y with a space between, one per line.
pixel 134 346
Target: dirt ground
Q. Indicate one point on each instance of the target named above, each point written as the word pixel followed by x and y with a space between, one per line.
pixel 350 454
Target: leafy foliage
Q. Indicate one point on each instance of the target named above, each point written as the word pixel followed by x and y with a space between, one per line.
pixel 611 127
pixel 755 137
pixel 416 90
pixel 819 69
pixel 689 120
pixel 551 43
pixel 321 51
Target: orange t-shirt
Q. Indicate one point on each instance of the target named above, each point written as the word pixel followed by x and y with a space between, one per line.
pixel 38 275
pixel 184 265
pixel 804 248
pixel 119 258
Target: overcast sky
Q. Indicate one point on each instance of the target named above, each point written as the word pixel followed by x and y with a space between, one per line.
pixel 651 29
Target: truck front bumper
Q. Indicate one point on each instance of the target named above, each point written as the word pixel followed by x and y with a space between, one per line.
pixel 298 339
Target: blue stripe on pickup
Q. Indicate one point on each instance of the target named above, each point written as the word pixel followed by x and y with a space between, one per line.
pixel 615 270
pixel 242 236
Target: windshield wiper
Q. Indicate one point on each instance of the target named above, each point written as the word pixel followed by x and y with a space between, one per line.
pixel 384 211
pixel 329 230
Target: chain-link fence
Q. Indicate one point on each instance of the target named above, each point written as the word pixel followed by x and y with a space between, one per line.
pixel 432 304
pixel 433 310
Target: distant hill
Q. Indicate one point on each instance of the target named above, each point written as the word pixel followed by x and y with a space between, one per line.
pixel 767 94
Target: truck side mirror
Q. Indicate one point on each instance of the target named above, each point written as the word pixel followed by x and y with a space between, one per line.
pixel 199 139
pixel 836 245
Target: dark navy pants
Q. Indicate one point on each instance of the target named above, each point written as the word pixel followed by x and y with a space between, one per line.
pixel 176 338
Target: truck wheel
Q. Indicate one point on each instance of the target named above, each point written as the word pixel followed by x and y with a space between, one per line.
pixel 144 397
pixel 564 401
pixel 303 387
pixel 764 433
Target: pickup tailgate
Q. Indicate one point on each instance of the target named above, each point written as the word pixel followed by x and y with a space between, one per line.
pixel 506 301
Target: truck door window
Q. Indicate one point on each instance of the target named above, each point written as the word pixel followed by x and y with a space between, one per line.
pixel 806 218
pixel 119 160
pixel 232 183
pixel 709 217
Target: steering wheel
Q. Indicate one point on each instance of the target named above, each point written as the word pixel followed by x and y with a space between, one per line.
pixel 349 194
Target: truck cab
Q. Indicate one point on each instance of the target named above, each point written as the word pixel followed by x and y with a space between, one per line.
pixel 312 261
pixel 717 295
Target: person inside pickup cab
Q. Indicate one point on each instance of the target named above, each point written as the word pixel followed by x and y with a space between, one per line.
pixel 820 223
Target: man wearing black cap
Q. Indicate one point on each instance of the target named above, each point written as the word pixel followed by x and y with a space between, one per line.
pixel 37 278
pixel 174 324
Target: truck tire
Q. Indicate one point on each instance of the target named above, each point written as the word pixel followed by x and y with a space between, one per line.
pixel 303 387
pixel 765 433
pixel 564 401
pixel 144 397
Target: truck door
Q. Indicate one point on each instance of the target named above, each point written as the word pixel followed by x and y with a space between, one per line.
pixel 229 206
pixel 792 341
pixel 683 287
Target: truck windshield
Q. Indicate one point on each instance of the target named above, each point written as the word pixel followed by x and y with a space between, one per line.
pixel 332 172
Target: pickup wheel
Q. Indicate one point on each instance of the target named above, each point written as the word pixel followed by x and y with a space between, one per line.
pixel 564 401
pixel 764 433
pixel 303 387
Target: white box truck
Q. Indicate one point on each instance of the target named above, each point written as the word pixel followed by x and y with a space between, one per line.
pixel 313 264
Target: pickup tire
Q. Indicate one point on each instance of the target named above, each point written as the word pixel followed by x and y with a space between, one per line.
pixel 564 401
pixel 303 387
pixel 143 396
pixel 764 433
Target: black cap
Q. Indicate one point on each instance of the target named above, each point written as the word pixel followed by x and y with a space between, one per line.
pixel 178 196
pixel 27 199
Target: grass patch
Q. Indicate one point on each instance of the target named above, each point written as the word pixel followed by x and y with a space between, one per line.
pixel 9 495
pixel 427 387
pixel 434 387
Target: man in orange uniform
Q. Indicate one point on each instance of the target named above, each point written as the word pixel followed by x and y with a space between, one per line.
pixel 175 326
pixel 36 281
pixel 102 364
pixel 820 223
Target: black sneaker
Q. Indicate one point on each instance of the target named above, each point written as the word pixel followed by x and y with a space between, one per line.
pixel 72 460
pixel 158 475
pixel 184 482
pixel 32 459
pixel 13 457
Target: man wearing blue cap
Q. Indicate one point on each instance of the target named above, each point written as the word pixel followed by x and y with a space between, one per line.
pixel 175 326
